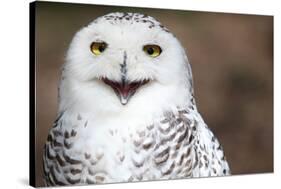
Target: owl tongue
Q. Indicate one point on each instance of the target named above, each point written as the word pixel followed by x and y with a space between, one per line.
pixel 124 90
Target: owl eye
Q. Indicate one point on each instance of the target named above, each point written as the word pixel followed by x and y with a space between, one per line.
pixel 98 47
pixel 152 50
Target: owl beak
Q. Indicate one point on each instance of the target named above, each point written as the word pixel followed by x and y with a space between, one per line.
pixel 124 89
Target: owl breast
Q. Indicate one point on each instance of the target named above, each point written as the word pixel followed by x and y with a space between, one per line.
pixel 160 150
pixel 177 145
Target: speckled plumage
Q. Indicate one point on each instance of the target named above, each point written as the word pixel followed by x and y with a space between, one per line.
pixel 159 134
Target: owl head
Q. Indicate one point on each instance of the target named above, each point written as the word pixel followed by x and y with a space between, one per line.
pixel 124 61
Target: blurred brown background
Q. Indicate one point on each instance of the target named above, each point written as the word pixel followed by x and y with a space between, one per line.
pixel 232 60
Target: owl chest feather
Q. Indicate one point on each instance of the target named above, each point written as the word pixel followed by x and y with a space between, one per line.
pixel 165 149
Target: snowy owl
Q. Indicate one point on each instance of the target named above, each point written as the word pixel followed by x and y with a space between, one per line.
pixel 127 110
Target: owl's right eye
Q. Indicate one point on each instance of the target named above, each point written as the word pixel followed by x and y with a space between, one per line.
pixel 98 47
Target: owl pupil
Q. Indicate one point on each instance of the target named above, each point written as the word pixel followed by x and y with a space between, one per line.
pixel 150 51
pixel 101 48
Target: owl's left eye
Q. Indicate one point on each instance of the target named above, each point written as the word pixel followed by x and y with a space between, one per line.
pixel 98 47
pixel 152 50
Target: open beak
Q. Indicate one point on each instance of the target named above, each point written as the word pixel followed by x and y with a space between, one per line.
pixel 124 89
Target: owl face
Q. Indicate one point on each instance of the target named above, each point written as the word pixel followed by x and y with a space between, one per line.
pixel 125 55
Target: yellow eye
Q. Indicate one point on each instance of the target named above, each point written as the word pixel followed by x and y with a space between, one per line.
pixel 152 50
pixel 98 47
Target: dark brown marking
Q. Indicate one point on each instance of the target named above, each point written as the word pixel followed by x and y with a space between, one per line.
pixel 188 163
pixel 72 181
pixel 148 145
pixel 99 179
pixel 90 171
pixel 138 164
pixel 57 144
pixel 55 180
pixel 205 157
pixel 73 133
pixel 184 111
pixel 162 159
pixel 71 160
pixel 93 162
pixel 196 161
pixel 57 168
pixel 90 181
pixel 200 164
pixel 79 117
pixel 50 138
pixel 165 130
pixel 57 120
pixel 166 120
pixel 183 136
pixel 187 170
pixel 60 160
pixel 187 152
pixel 215 171
pixel 180 127
pixel 50 179
pixel 168 171
pixel 67 144
pixel 163 152
pixel 181 159
pixel 66 134
pixel 178 146
pixel 191 138
pixel 149 127
pixel 75 171
pixel 49 155
pixel 137 142
pixel 87 156
pixel 57 133
pixel 169 138
pixel 121 158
